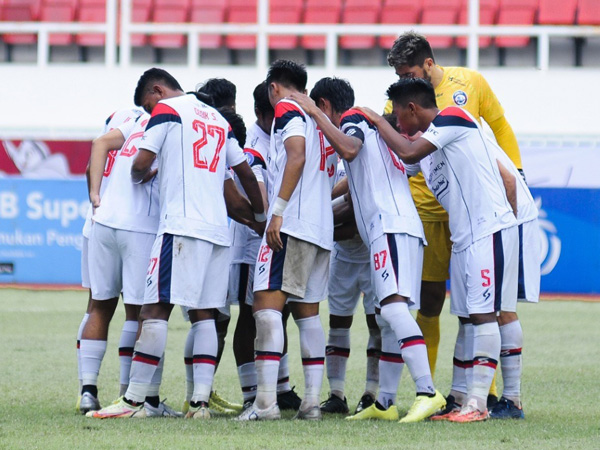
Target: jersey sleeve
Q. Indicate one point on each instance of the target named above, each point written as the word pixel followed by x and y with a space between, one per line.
pixel 489 106
pixel 352 122
pixel 290 120
pixel 234 155
pixel 126 128
pixel 449 125
pixel 162 119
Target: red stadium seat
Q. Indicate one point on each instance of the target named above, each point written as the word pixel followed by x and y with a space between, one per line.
pixel 399 12
pixel 440 12
pixel 59 11
pixel 91 11
pixel 515 12
pixel 242 11
pixel 208 11
pixel 140 13
pixel 359 12
pixel 20 11
pixel 320 12
pixel 169 11
pixel 588 12
pixel 284 11
pixel 552 12
pixel 487 16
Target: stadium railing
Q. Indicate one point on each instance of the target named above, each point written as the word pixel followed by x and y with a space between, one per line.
pixel 263 29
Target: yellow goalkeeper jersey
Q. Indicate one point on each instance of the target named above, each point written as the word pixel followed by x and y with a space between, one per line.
pixel 468 89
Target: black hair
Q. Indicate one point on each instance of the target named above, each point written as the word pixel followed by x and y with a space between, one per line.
pixel 416 90
pixel 152 76
pixel 288 73
pixel 392 120
pixel 236 122
pixel 221 90
pixel 409 49
pixel 261 99
pixel 337 90
pixel 204 98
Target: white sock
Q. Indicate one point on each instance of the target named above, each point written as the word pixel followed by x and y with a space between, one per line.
pixel 412 344
pixel 390 365
pixel 337 353
pixel 146 356
pixel 486 351
pixel 91 353
pixel 126 344
pixel 248 380
pixel 511 336
pixel 283 375
pixel 373 353
pixel 188 360
pixel 154 388
pixel 459 367
pixel 268 347
pixel 79 332
pixel 312 349
pixel 205 358
pixel 469 341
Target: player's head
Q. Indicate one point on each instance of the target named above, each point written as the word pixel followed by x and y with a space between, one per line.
pixel 284 76
pixel 221 90
pixel 334 96
pixel 236 122
pixel 204 98
pixel 154 85
pixel 262 107
pixel 411 56
pixel 414 103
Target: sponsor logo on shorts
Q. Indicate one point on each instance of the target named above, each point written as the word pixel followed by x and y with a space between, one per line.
pixel 460 98
pixel 261 269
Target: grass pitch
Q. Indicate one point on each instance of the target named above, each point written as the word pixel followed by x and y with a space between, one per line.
pixel 38 388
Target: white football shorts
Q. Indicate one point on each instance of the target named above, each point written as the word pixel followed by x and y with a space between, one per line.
pixel 347 280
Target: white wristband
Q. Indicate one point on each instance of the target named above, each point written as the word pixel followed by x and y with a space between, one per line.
pixel 279 206
pixel 338 200
pixel 260 217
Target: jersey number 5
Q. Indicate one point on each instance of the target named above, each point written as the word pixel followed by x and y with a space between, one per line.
pixel 214 131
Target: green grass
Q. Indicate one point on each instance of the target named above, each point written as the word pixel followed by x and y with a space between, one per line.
pixel 38 388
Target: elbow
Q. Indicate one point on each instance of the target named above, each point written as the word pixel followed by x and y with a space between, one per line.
pixel 409 159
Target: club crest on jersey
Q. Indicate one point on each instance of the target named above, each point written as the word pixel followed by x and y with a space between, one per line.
pixel 460 98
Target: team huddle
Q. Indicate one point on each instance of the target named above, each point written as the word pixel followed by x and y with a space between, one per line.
pixel 318 200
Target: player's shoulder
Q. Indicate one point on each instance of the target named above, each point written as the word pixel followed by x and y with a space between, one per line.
pixel 289 107
pixel 454 116
pixel 461 76
pixel 356 117
pixel 121 116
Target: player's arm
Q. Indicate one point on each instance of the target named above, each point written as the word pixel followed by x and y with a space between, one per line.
pixel 250 185
pixel 345 146
pixel 340 188
pixel 238 206
pixel 141 169
pixel 345 231
pixel 409 152
pixel 296 157
pixel 100 148
pixel 510 185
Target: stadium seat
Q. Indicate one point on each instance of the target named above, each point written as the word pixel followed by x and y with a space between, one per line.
pixel 487 16
pixel 242 11
pixel 20 11
pixel 169 11
pixel 91 11
pixel 319 12
pixel 399 12
pixel 516 12
pixel 284 11
pixel 59 11
pixel 208 11
pixel 359 12
pixel 440 12
pixel 552 12
pixel 588 12
pixel 140 13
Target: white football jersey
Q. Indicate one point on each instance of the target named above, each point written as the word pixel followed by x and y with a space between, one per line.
pixel 121 116
pixel 464 177
pixel 124 205
pixel 379 185
pixel 308 215
pixel 245 242
pixel 193 143
pixel 526 208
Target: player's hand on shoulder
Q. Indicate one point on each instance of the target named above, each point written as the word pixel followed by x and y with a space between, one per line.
pixel 273 236
pixel 305 102
pixel 369 113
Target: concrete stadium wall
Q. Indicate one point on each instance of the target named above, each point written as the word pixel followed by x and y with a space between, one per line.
pixel 73 101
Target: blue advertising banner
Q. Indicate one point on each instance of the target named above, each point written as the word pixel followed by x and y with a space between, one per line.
pixel 570 226
pixel 40 230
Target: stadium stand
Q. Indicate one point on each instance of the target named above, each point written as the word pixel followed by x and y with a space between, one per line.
pixel 241 11
pixel 400 12
pixel 91 11
pixel 363 12
pixel 59 11
pixel 551 12
pixel 284 11
pixel 515 12
pixel 169 11
pixel 319 11
pixel 440 12
pixel 20 11
pixel 140 13
pixel 208 11
pixel 588 12
pixel 487 16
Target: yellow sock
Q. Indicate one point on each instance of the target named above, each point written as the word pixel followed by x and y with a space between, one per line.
pixel 493 387
pixel 430 327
